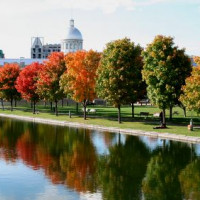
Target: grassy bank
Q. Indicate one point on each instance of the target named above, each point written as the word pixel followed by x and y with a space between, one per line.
pixel 107 116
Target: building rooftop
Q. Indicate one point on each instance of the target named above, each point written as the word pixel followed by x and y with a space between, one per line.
pixel 73 32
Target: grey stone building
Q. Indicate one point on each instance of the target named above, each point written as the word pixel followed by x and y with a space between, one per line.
pixel 41 51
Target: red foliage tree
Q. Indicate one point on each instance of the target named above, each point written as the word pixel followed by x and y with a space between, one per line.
pixel 48 81
pixel 26 83
pixel 8 76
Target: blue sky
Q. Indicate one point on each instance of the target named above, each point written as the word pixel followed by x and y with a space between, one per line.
pixel 100 21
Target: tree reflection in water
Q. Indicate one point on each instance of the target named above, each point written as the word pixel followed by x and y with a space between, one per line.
pixel 190 180
pixel 122 170
pixel 128 171
pixel 66 155
pixel 161 180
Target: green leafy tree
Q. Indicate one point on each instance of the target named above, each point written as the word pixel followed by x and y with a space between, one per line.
pixel 137 87
pixel 119 74
pixel 165 69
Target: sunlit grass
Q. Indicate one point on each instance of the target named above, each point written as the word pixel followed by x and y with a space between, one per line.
pixel 107 116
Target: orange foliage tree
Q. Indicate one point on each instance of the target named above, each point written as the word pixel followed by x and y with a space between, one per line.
pixel 8 76
pixel 26 83
pixel 191 96
pixel 79 80
pixel 48 81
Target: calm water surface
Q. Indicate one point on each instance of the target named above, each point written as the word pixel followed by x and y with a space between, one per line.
pixel 46 162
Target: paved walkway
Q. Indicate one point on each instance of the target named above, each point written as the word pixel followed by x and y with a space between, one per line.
pixel 168 136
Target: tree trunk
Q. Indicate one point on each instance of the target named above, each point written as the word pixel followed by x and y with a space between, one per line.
pixel 15 103
pixel 62 103
pixel 51 104
pixel 164 144
pixel 45 103
pixel 119 114
pixel 56 108
pixel 119 138
pixel 76 107
pixel 164 119
pixel 33 107
pixel 133 108
pixel 184 111
pixel 170 112
pixel 2 104
pixel 11 104
pixel 67 102
pixel 84 108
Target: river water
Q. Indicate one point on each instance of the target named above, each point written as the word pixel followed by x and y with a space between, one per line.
pixel 47 162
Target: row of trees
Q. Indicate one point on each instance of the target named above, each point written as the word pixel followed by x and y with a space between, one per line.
pixel 52 81
pixel 121 74
pixel 81 76
pixel 162 65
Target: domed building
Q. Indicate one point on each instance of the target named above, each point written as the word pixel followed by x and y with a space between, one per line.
pixel 74 40
pixel 40 51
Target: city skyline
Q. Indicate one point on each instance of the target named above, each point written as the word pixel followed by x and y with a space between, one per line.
pixel 99 22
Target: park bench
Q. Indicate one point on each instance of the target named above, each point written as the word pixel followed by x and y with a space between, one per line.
pixel 146 114
pixel 156 114
pixel 87 110
pixel 92 111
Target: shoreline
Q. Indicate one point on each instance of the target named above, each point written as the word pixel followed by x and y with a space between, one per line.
pixel 133 132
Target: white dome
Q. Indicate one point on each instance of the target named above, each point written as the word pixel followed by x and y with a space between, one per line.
pixel 73 41
pixel 73 33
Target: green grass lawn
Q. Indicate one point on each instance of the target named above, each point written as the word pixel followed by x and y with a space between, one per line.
pixel 107 116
